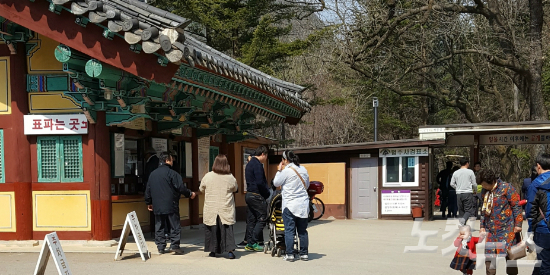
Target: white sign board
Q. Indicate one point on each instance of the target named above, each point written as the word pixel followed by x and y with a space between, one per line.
pixel 396 202
pixel 364 156
pixel 118 164
pixel 132 224
pixel 204 156
pixel 51 246
pixel 514 139
pixel 75 124
pixel 159 144
pixel 404 152
pixel 188 159
pixel 431 130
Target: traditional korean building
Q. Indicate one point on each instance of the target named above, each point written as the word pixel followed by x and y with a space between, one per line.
pixel 86 87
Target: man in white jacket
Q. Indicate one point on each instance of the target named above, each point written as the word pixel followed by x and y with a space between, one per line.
pixel 464 181
pixel 294 181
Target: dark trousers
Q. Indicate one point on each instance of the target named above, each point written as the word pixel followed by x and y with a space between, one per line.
pixel 466 206
pixel 171 221
pixel 452 203
pixel 542 241
pixel 444 201
pixel 293 224
pixel 248 233
pixel 257 217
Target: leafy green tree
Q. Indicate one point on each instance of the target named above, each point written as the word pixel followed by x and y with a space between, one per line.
pixel 256 32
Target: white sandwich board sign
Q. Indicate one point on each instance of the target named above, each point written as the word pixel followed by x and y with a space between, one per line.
pixel 132 223
pixel 52 246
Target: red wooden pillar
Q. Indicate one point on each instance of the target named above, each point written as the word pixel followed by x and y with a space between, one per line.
pixel 194 203
pixel 17 154
pixel 100 189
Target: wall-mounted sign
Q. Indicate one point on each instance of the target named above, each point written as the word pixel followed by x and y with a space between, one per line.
pixel 404 152
pixel 159 144
pixel 431 130
pixel 118 164
pixel 76 124
pixel 396 202
pixel 188 160
pixel 364 156
pixel 514 139
pixel 204 156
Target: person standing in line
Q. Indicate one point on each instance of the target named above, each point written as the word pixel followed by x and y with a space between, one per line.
pixel 248 233
pixel 501 219
pixel 218 187
pixel 538 212
pixel 294 181
pixel 256 194
pixel 527 181
pixel 162 197
pixel 464 182
pixel 451 201
pixel 442 180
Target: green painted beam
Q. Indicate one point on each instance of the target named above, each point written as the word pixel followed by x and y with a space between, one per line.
pixel 113 118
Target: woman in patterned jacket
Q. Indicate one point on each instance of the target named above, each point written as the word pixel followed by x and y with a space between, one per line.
pixel 501 219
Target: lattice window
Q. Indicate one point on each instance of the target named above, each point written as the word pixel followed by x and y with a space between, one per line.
pixel 71 159
pixel 2 170
pixel 48 159
pixel 59 159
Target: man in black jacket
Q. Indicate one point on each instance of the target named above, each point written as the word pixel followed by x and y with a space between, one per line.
pixel 162 196
pixel 442 180
pixel 257 192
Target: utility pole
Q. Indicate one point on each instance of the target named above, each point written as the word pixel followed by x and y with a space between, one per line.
pixel 375 105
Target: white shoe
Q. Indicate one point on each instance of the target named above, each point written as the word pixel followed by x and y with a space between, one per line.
pixel 304 258
pixel 288 258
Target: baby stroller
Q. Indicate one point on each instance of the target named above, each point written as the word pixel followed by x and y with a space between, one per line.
pixel 276 244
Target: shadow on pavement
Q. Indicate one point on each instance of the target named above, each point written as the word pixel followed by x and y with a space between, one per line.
pixel 129 257
pixel 189 249
pixel 318 222
pixel 315 256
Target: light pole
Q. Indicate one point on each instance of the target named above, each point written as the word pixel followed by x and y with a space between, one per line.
pixel 375 105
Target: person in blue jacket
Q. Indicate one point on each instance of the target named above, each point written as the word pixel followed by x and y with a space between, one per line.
pixel 257 191
pixel 537 211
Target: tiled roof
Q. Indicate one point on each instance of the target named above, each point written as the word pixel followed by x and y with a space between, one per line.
pixel 158 31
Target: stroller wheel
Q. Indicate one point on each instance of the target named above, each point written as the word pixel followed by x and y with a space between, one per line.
pixel 279 252
pixel 273 252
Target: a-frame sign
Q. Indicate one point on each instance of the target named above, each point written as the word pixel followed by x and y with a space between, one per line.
pixel 52 246
pixel 132 223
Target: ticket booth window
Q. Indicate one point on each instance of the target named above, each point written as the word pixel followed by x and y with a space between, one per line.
pixel 400 171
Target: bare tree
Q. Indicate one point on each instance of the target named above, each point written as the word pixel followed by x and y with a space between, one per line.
pixel 454 52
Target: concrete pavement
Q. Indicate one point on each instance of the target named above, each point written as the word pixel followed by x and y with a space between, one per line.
pixel 336 247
